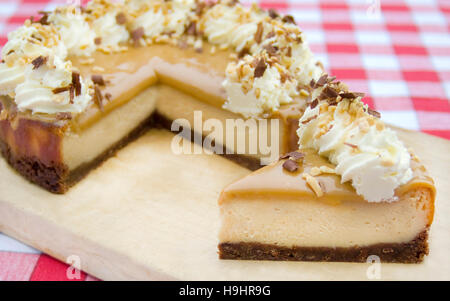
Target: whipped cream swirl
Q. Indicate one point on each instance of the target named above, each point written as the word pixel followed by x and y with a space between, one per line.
pixel 37 74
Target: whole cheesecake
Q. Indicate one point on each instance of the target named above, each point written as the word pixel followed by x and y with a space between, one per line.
pixel 82 82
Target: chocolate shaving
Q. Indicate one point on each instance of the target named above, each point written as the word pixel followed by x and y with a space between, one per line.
pixel 98 79
pixel 98 41
pixel 60 90
pixel 259 33
pixel 314 103
pixel 332 102
pixel 331 79
pixel 39 61
pixel 290 165
pixel 260 68
pixel 71 94
pixel 351 145
pixel 351 95
pixel 108 96
pixel 44 19
pixel 98 98
pixel 137 34
pixel 76 83
pixel 322 81
pixel 309 119
pixel 288 19
pixel 312 83
pixel 121 18
pixel 289 51
pixel 243 52
pixel 330 92
pixel 192 29
pixel 294 155
pixel 271 50
pixel 374 113
pixel 273 13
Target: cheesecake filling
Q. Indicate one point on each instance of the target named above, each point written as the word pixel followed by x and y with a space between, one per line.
pixel 277 207
pixel 308 223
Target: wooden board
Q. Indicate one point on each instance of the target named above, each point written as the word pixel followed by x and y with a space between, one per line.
pixel 150 214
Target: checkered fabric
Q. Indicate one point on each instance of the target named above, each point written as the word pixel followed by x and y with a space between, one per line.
pixel 396 51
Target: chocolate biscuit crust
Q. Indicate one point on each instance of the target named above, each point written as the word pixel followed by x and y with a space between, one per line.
pixel 55 177
pixel 48 176
pixel 410 252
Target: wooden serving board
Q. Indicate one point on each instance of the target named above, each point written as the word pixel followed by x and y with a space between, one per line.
pixel 150 214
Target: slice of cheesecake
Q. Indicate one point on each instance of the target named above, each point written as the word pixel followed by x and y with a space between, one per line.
pixel 353 190
pixel 276 214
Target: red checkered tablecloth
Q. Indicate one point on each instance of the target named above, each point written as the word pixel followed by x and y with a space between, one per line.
pixel 396 51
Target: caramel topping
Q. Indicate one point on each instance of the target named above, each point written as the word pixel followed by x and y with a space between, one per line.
pixel 273 179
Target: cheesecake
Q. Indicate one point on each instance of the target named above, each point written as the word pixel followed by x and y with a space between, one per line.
pixel 80 83
pixel 275 214
pixel 350 192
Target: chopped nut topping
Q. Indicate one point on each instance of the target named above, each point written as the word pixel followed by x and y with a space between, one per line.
pixel 98 41
pixel 259 33
pixel 192 29
pixel 76 83
pixel 313 184
pixel 121 18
